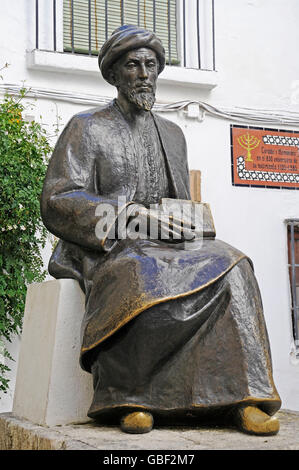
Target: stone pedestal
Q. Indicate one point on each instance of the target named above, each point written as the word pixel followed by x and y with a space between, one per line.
pixel 18 434
pixel 51 388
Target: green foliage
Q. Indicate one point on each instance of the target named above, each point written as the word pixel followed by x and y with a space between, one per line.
pixel 23 153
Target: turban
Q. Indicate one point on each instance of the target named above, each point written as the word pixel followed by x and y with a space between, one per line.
pixel 125 39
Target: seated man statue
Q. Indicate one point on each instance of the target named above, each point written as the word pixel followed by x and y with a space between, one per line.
pixel 173 329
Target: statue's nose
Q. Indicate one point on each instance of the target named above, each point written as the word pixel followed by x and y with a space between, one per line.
pixel 143 71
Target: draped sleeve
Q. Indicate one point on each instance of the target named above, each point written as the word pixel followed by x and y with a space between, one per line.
pixel 70 200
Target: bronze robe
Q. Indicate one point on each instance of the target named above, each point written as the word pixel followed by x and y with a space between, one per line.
pixel 167 327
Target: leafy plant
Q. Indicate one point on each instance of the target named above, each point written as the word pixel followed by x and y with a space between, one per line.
pixel 24 149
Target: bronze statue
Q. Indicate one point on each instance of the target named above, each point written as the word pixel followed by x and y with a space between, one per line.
pixel 174 328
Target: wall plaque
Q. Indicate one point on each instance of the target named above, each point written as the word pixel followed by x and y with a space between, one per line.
pixel 264 157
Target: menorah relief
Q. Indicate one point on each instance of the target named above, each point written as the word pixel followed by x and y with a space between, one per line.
pixel 248 142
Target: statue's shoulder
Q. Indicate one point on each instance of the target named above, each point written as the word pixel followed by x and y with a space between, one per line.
pixel 99 113
pixel 89 123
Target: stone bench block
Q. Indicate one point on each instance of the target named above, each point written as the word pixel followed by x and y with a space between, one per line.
pixel 51 388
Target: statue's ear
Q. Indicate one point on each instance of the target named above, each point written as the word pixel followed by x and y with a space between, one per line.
pixel 112 77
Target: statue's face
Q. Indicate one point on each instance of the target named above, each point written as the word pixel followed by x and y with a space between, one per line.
pixel 135 76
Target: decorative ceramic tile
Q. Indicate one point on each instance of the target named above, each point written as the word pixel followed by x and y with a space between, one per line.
pixel 265 157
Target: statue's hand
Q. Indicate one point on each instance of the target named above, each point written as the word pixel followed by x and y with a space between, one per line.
pixel 155 224
pixel 171 229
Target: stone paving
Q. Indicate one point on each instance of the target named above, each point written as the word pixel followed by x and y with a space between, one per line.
pixel 20 434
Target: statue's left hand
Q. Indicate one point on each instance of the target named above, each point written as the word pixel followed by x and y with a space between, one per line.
pixel 156 224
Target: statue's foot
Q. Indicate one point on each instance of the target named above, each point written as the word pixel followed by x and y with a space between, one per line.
pixel 138 422
pixel 252 420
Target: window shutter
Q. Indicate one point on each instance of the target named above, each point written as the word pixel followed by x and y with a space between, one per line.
pixel 106 16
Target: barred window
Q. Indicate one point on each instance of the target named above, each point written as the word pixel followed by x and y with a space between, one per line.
pixel 293 264
pixel 88 23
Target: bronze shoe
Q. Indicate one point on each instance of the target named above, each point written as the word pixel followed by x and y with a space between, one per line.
pixel 138 422
pixel 252 420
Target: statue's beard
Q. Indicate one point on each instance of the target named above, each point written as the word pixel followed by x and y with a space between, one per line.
pixel 144 100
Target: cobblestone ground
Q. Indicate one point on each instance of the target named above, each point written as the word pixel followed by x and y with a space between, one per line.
pixel 21 434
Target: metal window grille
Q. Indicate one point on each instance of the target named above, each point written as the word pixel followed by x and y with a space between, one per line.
pixel 88 23
pixel 293 266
